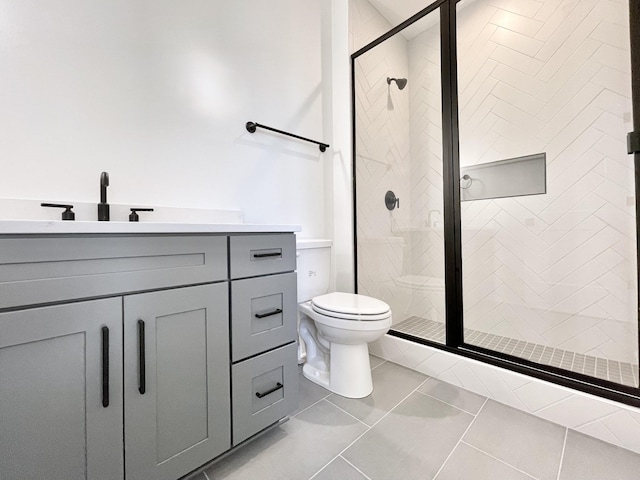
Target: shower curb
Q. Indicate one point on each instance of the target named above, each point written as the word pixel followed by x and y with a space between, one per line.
pixel 604 419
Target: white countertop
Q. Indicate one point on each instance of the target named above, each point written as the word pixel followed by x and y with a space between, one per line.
pixel 38 227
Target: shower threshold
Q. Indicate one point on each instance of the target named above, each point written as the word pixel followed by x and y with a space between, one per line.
pixel 619 372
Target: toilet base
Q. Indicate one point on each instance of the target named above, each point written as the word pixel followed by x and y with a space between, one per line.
pixel 349 374
pixel 315 375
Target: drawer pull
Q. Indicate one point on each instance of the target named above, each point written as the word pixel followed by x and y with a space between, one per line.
pixel 142 373
pixel 268 314
pixel 266 255
pixel 268 392
pixel 105 367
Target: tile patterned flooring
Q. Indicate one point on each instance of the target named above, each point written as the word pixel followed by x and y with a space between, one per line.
pixel 416 427
pixel 619 372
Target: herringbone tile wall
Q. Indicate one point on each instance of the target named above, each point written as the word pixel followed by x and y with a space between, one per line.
pixel 399 148
pixel 557 269
pixel 534 76
pixel 383 156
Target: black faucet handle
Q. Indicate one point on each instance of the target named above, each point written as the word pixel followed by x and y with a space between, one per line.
pixel 68 214
pixel 104 179
pixel 103 206
pixel 134 217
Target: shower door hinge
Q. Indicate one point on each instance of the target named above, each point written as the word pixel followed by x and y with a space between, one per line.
pixel 633 142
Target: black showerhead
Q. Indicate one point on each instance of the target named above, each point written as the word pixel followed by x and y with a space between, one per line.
pixel 401 82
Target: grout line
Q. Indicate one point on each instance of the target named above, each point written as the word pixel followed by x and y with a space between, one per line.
pixel 564 446
pixel 460 440
pixel 374 424
pixel 314 403
pixel 361 472
pixel 497 459
pixel 343 410
pixel 552 404
pixel 381 363
pixel 447 403
pixel 316 474
pixel 591 422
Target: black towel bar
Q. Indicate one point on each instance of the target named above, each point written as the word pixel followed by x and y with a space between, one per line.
pixel 251 128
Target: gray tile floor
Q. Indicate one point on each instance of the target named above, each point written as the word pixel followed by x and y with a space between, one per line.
pixel 416 427
pixel 619 372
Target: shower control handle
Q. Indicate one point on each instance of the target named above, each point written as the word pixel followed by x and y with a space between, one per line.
pixel 391 201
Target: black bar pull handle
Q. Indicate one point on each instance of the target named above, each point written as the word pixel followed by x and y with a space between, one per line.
pixel 268 392
pixel 142 373
pixel 105 367
pixel 266 255
pixel 268 314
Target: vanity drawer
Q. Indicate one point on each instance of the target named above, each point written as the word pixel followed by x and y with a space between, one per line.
pixel 264 390
pixel 253 255
pixel 263 314
pixel 35 270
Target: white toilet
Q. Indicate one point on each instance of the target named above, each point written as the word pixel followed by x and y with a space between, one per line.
pixel 335 328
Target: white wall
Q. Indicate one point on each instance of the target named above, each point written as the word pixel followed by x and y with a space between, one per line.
pixel 157 93
pixel 339 171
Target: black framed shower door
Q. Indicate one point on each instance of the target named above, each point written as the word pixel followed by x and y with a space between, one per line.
pixel 462 329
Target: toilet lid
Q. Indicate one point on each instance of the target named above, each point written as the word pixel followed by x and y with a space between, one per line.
pixel 350 305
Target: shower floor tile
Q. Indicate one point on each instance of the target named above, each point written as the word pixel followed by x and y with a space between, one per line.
pixel 614 371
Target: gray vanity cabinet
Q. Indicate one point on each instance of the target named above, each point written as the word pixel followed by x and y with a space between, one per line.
pixel 176 355
pixel 263 334
pixel 131 377
pixel 61 392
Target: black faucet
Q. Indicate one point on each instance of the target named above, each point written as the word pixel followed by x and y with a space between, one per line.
pixel 103 206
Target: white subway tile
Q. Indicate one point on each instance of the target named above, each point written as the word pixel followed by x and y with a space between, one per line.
pixel 611 34
pixel 613 57
pixel 517 41
pixel 517 79
pixel 518 23
pixel 575 26
pixel 538 395
pixel 576 411
pixel 527 8
pixel 572 108
pixel 516 60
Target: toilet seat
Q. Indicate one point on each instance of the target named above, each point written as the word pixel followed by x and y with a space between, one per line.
pixel 349 306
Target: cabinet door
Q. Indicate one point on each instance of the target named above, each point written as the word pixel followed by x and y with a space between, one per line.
pixel 61 392
pixel 177 412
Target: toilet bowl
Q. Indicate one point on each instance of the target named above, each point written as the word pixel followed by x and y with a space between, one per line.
pixel 336 329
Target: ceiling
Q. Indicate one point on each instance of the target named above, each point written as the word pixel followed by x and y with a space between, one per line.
pixel 397 11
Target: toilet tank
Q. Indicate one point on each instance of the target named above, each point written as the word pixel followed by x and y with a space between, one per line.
pixel 314 268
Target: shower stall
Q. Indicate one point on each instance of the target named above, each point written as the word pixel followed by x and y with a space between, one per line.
pixel 499 130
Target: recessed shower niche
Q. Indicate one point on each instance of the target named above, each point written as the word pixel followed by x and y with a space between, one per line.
pixel 541 271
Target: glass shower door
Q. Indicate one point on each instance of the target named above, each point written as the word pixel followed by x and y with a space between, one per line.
pixel 547 188
pixel 398 155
